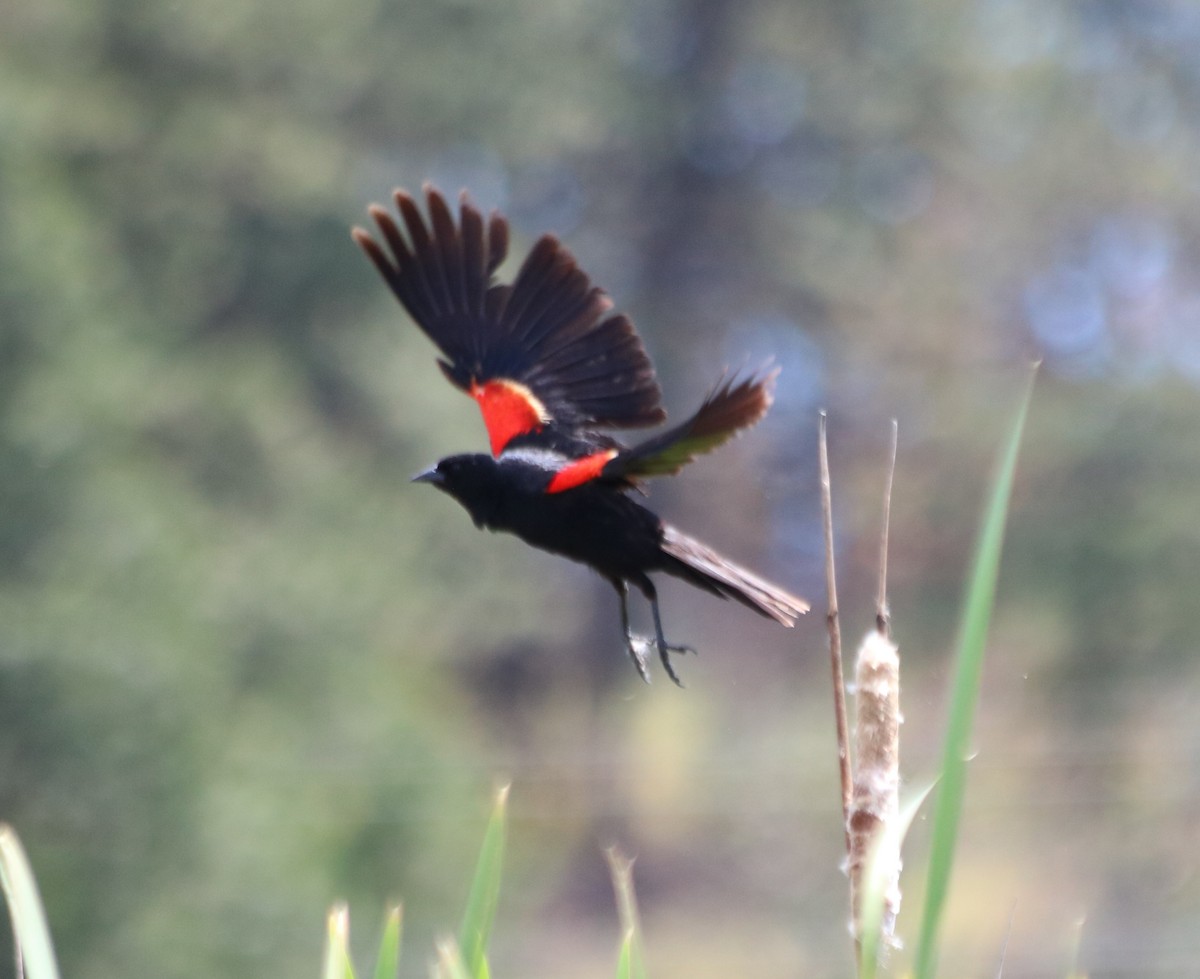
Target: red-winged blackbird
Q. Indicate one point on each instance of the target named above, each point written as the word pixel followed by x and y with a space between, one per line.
pixel 548 368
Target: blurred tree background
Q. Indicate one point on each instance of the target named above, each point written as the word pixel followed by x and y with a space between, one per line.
pixel 245 668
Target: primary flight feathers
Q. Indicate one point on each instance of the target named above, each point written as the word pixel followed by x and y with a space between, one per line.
pixel 546 334
pixel 733 405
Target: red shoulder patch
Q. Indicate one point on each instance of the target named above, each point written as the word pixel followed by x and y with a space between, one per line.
pixel 509 409
pixel 580 471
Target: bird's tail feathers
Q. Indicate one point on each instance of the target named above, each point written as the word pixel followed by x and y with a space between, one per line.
pixel 704 567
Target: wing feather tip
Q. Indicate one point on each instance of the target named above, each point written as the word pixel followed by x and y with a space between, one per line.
pixel 412 249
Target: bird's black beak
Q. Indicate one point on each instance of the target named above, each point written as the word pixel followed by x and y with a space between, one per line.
pixel 430 476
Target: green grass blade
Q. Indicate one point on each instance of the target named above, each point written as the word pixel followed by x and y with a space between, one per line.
pixel 625 959
pixel 450 964
pixel 1075 972
pixel 31 932
pixel 485 892
pixel 977 611
pixel 876 879
pixel 387 966
pixel 630 964
pixel 337 939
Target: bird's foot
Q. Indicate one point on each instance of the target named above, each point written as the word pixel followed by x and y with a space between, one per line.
pixel 639 651
pixel 664 653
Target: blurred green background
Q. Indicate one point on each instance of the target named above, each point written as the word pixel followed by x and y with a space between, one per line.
pixel 246 668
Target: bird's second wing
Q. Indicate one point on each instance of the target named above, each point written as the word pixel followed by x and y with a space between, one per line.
pixel 538 353
pixel 733 405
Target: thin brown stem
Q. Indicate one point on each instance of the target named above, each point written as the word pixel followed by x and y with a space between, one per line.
pixel 835 638
pixel 883 615
pixel 877 748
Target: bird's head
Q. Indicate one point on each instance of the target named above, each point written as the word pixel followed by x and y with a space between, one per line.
pixel 471 479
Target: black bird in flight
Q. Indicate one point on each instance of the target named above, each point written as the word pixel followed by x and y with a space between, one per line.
pixel 549 368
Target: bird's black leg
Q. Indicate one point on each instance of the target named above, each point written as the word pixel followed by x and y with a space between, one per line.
pixel 632 642
pixel 664 650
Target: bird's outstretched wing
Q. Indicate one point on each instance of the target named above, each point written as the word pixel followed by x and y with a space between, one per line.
pixel 733 405
pixel 538 354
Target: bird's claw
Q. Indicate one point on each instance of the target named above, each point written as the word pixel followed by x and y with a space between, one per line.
pixel 664 654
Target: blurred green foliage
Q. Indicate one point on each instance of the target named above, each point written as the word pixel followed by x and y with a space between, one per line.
pixel 245 668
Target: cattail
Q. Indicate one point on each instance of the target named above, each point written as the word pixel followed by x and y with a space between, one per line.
pixel 876 777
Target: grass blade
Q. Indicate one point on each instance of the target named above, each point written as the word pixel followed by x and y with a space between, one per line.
pixel 387 966
pixel 450 964
pixel 877 877
pixel 1075 972
pixel 625 959
pixel 977 612
pixel 485 892
pixel 31 932
pixel 630 964
pixel 337 940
